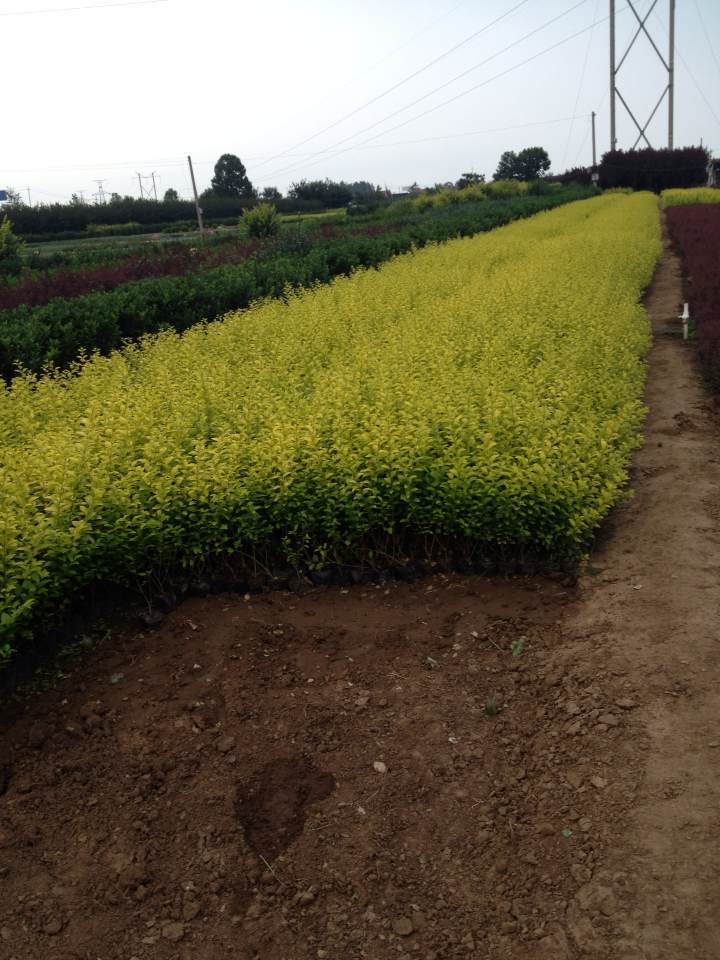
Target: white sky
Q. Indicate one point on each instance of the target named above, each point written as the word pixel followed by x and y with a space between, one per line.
pixel 104 93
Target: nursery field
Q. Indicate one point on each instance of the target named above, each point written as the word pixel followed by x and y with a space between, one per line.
pixel 473 402
pixel 504 767
pixel 93 299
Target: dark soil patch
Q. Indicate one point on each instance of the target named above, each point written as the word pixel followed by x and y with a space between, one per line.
pixel 281 776
pixel 272 808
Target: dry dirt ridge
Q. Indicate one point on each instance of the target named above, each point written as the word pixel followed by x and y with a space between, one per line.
pixel 455 768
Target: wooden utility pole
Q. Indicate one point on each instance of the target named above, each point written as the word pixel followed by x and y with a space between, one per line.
pixel 593 140
pixel 198 208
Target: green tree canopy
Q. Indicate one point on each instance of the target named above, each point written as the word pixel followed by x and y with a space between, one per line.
pixel 470 180
pixel 231 179
pixel 170 195
pixel 271 194
pixel 529 164
pixel 327 192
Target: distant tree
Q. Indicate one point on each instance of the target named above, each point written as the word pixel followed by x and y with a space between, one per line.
pixel 530 164
pixel 170 195
pixel 270 194
pixel 10 249
pixel 115 198
pixel 414 190
pixel 76 201
pixel 470 180
pixel 534 163
pixel 231 179
pixel 327 192
pixel 13 197
pixel 507 166
pixel 364 190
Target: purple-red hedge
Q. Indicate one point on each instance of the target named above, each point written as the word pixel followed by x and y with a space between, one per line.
pixel 68 282
pixel 695 230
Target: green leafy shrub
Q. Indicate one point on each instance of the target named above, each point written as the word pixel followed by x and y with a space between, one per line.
pixel 261 220
pixel 11 261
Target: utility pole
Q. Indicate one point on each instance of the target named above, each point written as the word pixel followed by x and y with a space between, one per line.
pixel 140 185
pixel 593 141
pixel 668 64
pixel 198 209
pixel 154 186
pixel 100 195
pixel 613 138
pixel 671 75
pixel 29 199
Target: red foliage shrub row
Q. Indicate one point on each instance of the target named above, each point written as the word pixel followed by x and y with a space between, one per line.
pixel 695 230
pixel 72 282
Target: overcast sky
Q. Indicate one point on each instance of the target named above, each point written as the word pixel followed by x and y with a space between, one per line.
pixel 103 93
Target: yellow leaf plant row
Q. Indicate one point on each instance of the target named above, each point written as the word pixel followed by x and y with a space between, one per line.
pixel 487 390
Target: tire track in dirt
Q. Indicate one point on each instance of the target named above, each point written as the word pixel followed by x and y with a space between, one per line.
pixel 654 616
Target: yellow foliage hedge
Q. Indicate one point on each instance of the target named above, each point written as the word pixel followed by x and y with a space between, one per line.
pixel 489 388
pixel 673 198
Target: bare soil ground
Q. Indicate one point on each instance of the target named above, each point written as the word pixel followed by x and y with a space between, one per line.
pixel 454 768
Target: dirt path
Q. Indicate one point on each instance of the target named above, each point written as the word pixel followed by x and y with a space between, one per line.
pixel 453 768
pixel 654 616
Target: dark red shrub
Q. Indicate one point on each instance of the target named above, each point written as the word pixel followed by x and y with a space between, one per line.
pixel 695 230
pixel 68 283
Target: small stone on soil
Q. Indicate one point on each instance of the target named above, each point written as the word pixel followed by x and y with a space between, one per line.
pixel 379 766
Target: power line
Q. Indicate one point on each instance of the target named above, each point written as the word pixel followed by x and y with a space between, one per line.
pixel 401 83
pixel 463 93
pixel 707 35
pixel 396 50
pixel 468 133
pixel 580 85
pixel 97 6
pixel 438 88
pixel 699 89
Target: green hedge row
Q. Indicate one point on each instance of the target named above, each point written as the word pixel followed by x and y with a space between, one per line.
pixel 60 331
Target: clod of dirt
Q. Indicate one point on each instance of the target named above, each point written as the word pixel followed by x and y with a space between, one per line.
pixel 174 932
pixel 625 703
pixel 402 926
pixel 226 744
pixel 272 808
pixel 53 926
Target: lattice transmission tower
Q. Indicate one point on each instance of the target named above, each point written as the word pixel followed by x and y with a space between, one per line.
pixel 668 64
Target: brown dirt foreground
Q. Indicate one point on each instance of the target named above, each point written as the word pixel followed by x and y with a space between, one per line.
pixel 455 768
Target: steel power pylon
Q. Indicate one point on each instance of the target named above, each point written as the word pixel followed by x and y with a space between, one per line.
pixel 668 64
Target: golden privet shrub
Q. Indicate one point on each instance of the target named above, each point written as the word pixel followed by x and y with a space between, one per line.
pixel 489 388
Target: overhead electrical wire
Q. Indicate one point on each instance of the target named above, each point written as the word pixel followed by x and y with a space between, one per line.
pixel 441 86
pixel 707 35
pixel 691 75
pixel 402 82
pixel 580 85
pixel 460 95
pixel 396 50
pixel 96 6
